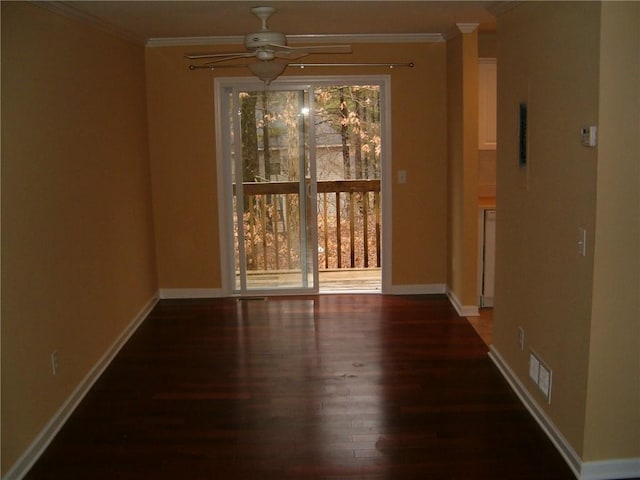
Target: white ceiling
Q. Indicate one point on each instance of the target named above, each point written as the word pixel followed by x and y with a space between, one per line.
pixel 150 20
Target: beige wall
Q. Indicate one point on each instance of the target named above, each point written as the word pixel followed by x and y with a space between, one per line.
pixel 487 173
pixel 487 44
pixel 487 48
pixel 78 236
pixel 183 162
pixel 462 141
pixel 612 422
pixel 77 239
pixel 183 171
pixel 550 56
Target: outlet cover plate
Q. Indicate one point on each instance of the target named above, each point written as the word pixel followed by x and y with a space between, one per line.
pixel 534 367
pixel 544 381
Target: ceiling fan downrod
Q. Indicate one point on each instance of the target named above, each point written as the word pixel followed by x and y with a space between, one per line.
pixel 263 14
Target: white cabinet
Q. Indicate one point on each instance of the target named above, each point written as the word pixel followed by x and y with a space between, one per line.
pixel 487 103
pixel 487 255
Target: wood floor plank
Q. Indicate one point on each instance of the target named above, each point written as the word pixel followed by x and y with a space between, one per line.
pixel 314 387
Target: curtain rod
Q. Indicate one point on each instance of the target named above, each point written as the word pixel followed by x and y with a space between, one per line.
pixel 390 65
pixel 305 65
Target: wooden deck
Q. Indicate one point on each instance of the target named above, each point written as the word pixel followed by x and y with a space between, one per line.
pixel 351 280
pixel 336 280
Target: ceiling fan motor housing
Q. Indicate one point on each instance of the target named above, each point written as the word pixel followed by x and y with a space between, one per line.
pixel 254 41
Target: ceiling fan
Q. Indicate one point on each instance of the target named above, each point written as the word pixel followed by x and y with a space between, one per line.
pixel 267 46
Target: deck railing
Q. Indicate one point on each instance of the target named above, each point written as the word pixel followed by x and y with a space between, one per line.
pixel 348 223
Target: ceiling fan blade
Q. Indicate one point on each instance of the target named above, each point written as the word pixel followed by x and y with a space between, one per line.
pixel 312 48
pixel 202 56
pixel 225 59
pixel 291 55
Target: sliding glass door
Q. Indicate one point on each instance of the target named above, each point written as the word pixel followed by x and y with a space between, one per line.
pixel 272 185
pixel 301 185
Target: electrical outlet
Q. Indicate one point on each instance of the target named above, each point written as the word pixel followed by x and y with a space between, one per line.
pixel 540 374
pixel 55 363
pixel 544 381
pixel 521 337
pixel 534 367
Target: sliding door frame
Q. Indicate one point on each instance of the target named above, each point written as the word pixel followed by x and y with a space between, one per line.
pixel 222 86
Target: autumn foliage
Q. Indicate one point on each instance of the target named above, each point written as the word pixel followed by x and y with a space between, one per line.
pixel 275 151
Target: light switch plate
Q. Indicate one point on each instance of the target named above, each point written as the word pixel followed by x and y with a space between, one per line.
pixel 582 241
pixel 589 136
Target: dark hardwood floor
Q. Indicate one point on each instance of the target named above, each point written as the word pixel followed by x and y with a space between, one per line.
pixel 324 387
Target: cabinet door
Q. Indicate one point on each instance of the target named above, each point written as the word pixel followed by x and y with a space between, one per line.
pixel 489 258
pixel 487 103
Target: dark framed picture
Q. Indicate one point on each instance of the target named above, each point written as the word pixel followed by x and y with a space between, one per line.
pixel 522 136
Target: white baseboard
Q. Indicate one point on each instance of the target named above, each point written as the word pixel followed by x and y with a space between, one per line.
pixel 600 470
pixel 190 293
pixel 424 289
pixel 186 293
pixel 463 310
pixel 560 442
pixel 48 433
pixel 611 469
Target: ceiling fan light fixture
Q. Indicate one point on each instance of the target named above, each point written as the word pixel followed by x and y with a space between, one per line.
pixel 265 55
pixel 267 71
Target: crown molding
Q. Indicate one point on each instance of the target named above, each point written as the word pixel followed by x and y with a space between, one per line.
pixel 369 38
pixel 467 27
pixel 191 41
pixel 66 9
pixel 293 39
pixel 460 28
